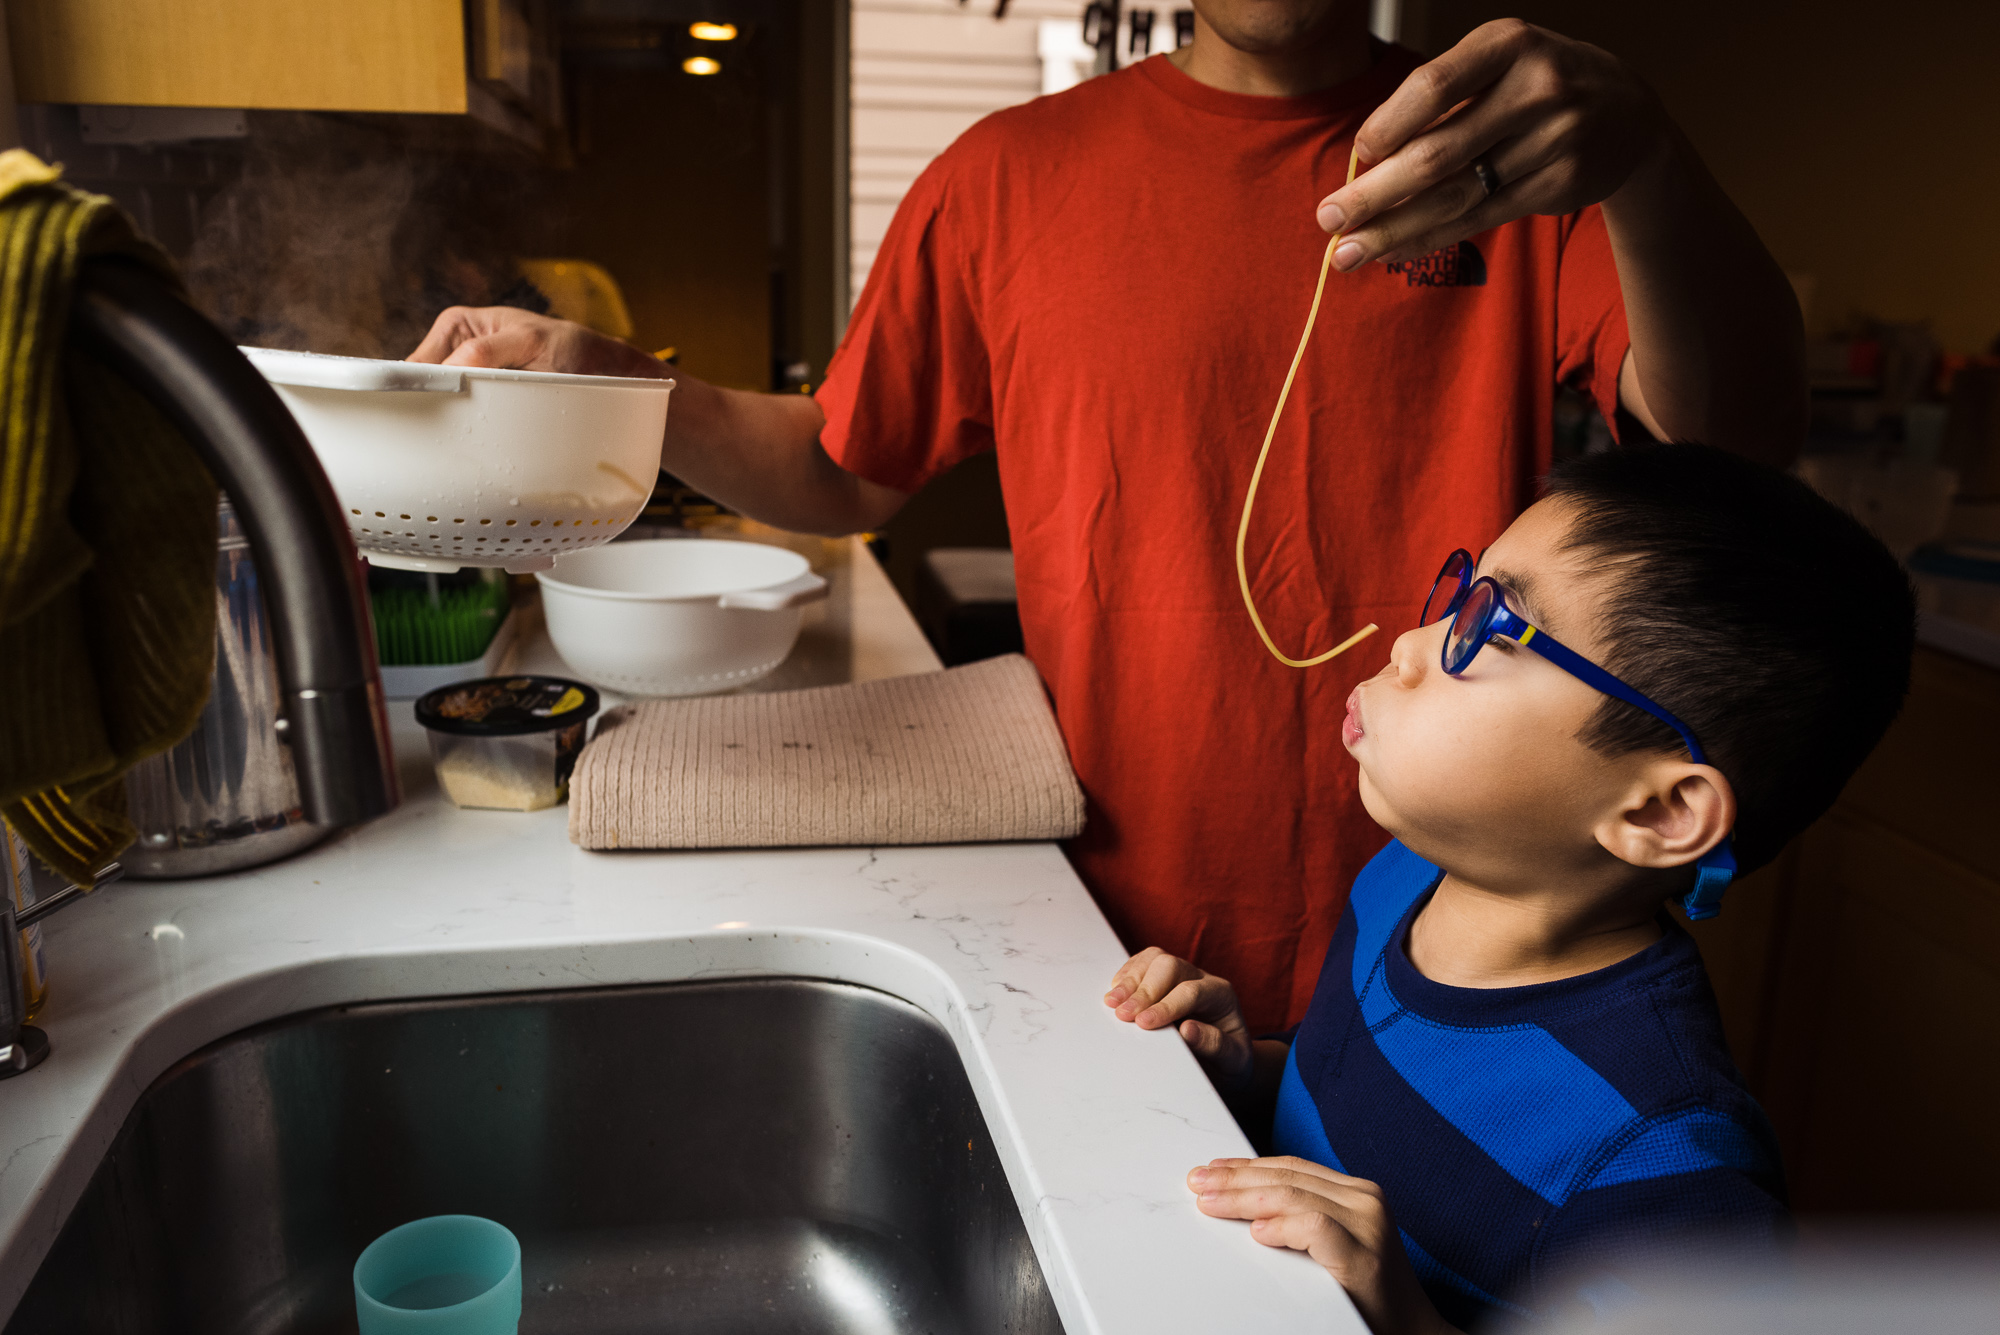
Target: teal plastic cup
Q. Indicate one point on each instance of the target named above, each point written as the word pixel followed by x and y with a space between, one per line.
pixel 450 1274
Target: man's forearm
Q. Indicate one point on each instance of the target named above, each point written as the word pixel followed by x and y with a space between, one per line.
pixel 1717 343
pixel 760 454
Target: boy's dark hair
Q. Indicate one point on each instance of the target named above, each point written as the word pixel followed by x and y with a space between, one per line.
pixel 1769 621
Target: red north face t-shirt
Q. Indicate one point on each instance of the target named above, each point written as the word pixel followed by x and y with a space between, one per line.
pixel 1106 285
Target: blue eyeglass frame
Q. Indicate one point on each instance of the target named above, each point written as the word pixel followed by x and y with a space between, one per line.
pixel 1717 867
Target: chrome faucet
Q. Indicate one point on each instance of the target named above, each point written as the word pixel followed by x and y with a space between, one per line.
pixel 332 715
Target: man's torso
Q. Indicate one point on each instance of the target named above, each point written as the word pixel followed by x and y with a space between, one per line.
pixel 1107 286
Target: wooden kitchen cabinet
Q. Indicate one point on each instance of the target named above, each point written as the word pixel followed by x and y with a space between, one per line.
pixel 345 55
pixel 1859 976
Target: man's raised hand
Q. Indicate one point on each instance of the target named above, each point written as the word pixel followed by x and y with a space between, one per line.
pixel 1558 124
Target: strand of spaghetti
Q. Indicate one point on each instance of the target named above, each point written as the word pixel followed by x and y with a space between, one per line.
pixel 1257 473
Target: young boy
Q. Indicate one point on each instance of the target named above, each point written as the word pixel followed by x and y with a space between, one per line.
pixel 1512 1075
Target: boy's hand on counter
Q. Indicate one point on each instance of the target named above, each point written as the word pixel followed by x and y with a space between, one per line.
pixel 1156 989
pixel 1341 1222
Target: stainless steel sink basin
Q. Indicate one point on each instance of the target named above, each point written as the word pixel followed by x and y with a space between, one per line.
pixel 769 1155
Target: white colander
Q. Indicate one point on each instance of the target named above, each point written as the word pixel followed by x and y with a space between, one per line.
pixel 677 616
pixel 440 467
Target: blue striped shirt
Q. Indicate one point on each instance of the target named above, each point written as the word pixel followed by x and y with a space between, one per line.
pixel 1529 1141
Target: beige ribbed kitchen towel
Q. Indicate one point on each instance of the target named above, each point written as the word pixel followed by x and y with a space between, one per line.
pixel 968 755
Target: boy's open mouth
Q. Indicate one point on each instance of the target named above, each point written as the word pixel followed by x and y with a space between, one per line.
pixel 1351 730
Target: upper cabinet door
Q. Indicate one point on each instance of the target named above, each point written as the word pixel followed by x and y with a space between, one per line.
pixel 307 55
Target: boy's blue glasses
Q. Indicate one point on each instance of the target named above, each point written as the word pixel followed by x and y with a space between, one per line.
pixel 1478 610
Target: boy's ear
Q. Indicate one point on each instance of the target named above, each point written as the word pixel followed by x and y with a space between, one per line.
pixel 1674 812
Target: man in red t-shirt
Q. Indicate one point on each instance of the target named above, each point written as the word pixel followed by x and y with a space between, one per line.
pixel 1107 285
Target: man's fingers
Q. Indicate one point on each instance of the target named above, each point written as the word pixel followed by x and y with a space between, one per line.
pixel 1443 156
pixel 1433 89
pixel 499 336
pixel 1535 192
pixel 456 326
pixel 514 347
pixel 1389 235
pixel 452 327
pixel 1406 229
pixel 508 337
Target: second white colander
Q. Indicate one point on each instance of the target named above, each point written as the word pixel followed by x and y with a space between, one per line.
pixel 677 616
pixel 440 467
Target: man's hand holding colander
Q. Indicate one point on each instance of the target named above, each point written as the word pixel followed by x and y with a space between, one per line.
pixel 756 453
pixel 505 336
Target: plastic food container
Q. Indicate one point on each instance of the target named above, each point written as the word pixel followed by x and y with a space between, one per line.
pixel 507 743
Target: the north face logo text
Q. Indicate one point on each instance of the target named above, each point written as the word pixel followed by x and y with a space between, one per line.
pixel 1455 266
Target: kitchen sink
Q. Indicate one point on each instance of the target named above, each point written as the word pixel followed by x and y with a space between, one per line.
pixel 773 1155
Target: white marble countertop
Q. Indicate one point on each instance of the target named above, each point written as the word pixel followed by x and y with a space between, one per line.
pixel 1095 1122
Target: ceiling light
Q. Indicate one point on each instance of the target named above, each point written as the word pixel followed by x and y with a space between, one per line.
pixel 712 32
pixel 702 65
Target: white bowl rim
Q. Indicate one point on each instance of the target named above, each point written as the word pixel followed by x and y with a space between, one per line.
pixel 548 579
pixel 280 359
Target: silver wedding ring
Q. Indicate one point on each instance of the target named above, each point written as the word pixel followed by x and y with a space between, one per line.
pixel 1488 178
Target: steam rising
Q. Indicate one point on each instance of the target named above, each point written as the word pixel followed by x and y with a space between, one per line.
pixel 337 239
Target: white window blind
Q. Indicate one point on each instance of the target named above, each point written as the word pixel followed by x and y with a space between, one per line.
pixel 924 70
